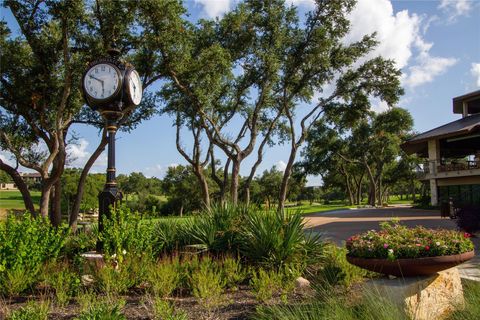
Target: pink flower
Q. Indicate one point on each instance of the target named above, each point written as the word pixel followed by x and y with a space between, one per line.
pixel 467 235
pixel 427 248
pixel 418 244
pixel 385 245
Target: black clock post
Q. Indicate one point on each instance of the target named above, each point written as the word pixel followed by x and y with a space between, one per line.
pixel 110 196
pixel 111 87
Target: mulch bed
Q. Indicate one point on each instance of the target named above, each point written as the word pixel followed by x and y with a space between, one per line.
pixel 239 304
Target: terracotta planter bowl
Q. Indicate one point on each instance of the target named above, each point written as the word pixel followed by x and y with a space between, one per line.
pixel 411 267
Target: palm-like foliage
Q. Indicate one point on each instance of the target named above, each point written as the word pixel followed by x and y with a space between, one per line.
pixel 277 239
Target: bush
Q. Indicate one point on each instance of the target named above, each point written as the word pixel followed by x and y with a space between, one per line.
pixel 25 244
pixel 395 241
pixel 277 239
pixel 163 310
pixel 233 272
pixel 469 219
pixel 123 232
pixel 114 281
pixel 164 277
pixel 217 229
pixel 33 310
pixel 207 283
pixel 268 283
pixel 63 281
pixel 265 284
pixel 336 270
pixel 103 310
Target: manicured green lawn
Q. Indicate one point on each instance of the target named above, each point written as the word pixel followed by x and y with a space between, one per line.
pixel 12 199
pixel 317 207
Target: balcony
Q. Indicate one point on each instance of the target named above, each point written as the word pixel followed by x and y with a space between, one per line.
pixel 435 169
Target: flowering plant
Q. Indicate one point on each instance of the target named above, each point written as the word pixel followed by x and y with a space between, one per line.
pixel 396 241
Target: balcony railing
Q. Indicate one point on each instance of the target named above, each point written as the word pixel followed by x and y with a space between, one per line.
pixel 435 166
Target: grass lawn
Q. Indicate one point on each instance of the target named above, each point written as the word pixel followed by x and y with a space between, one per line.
pixel 317 207
pixel 12 199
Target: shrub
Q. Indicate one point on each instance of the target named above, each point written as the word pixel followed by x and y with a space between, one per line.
pixel 164 277
pixel 63 281
pixel 123 232
pixel 103 310
pixel 233 272
pixel 469 219
pixel 395 241
pixel 163 310
pixel 33 310
pixel 276 239
pixel 216 229
pixel 25 244
pixel 168 235
pixel 265 284
pixel 207 283
pixel 114 281
pixel 336 270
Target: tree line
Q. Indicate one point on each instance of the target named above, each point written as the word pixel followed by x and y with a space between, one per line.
pixel 234 86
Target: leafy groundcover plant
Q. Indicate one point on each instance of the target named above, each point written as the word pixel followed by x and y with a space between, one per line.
pixel 396 241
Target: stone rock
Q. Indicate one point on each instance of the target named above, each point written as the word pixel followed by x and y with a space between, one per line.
pixel 87 280
pixel 301 283
pixel 423 298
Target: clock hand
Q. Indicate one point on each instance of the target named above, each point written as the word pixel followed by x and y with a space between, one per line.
pixel 101 81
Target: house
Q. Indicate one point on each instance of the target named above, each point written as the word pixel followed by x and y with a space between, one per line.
pixel 8 186
pixel 452 154
pixel 33 177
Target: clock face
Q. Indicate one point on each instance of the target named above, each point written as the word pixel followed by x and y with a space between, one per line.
pixel 135 87
pixel 102 81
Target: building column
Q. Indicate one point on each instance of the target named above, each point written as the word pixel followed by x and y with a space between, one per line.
pixel 433 192
pixel 434 161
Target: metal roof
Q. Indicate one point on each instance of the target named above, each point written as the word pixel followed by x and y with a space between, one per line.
pixel 456 128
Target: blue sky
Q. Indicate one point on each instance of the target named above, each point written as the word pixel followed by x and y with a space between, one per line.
pixel 435 43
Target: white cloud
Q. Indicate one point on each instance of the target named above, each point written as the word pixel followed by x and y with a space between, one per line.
pixel 77 153
pixel 396 33
pixel 281 165
pixel 154 171
pixel 475 70
pixel 427 67
pixel 400 37
pixel 455 8
pixel 215 8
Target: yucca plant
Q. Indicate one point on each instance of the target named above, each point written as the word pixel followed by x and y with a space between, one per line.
pixel 216 229
pixel 274 239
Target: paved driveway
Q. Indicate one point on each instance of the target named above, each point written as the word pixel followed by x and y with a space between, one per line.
pixel 337 226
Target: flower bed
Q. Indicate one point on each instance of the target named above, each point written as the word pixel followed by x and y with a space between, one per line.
pixel 396 241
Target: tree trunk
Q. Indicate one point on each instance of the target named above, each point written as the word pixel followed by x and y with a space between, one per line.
pixel 56 214
pixel 247 195
pixel 72 221
pixel 45 199
pixel 198 170
pixel 286 177
pixel 234 182
pixel 21 185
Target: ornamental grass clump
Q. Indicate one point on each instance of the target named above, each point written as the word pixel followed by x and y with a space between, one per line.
pixel 396 241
